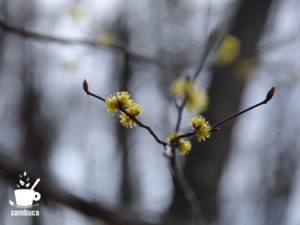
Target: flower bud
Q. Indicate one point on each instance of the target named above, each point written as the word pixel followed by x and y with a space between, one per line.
pixel 85 86
pixel 270 94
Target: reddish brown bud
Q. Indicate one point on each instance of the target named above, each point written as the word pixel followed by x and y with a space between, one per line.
pixel 85 86
pixel 270 94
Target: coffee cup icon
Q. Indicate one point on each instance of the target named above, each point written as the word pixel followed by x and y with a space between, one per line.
pixel 25 197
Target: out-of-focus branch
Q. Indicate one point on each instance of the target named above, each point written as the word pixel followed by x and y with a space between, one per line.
pixel 69 41
pixel 179 117
pixel 212 42
pixel 10 169
pixel 187 190
pixel 94 43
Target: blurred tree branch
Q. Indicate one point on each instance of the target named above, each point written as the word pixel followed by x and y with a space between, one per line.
pixel 10 168
pixel 134 55
pixel 68 41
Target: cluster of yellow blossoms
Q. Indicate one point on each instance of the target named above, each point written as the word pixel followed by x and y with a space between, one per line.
pixel 201 126
pixel 229 50
pixel 183 146
pixel 122 100
pixel 196 100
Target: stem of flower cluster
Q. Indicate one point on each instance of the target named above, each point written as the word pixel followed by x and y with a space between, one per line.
pixel 138 122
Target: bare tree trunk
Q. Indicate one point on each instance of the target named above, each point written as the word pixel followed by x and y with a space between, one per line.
pixel 38 129
pixel 123 77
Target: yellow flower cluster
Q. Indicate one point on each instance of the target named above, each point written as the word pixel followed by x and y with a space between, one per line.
pixel 122 99
pixel 229 50
pixel 76 13
pixel 201 126
pixel 134 110
pixel 244 69
pixel 196 100
pixel 183 146
pixel 107 39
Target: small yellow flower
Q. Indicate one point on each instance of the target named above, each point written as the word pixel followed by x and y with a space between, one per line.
pixel 126 121
pixel 124 99
pixel 172 136
pixel 183 146
pixel 246 68
pixel 107 39
pixel 201 126
pixel 196 100
pixel 76 13
pixel 111 104
pixel 113 101
pixel 133 109
pixel 229 50
pixel 180 87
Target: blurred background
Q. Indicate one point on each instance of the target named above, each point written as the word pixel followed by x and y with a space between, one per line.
pixel 93 170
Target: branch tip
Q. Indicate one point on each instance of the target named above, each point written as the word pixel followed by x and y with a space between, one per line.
pixel 85 86
pixel 270 94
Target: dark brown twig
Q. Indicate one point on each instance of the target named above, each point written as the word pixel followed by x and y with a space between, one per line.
pixel 96 96
pixel 217 126
pixel 145 127
pixel 268 98
pixel 138 122
pixel 183 136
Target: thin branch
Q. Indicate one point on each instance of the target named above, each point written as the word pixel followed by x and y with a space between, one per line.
pixel 216 127
pixel 145 127
pixel 180 111
pixel 183 136
pixel 85 87
pixel 68 41
pixel 138 122
pixel 268 98
pixel 213 41
pixel 202 62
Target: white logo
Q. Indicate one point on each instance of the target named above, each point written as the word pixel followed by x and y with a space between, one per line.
pixel 26 196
